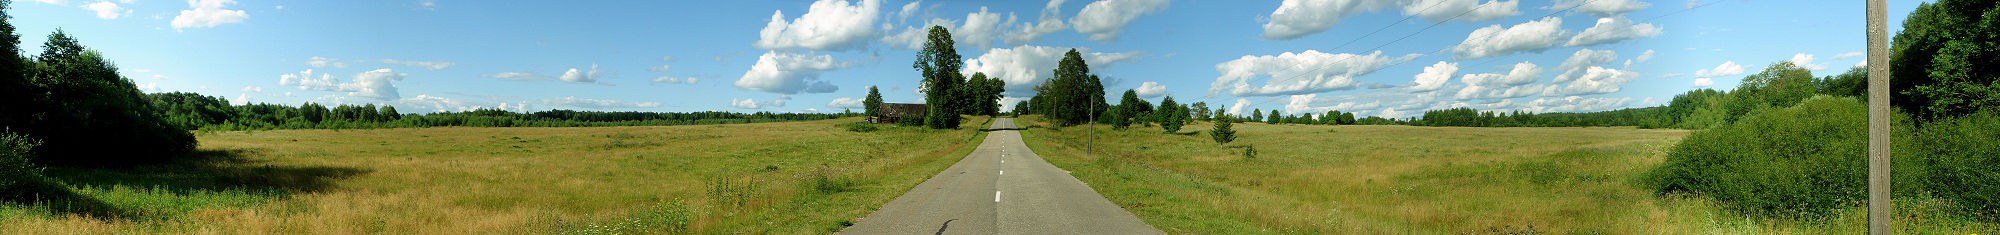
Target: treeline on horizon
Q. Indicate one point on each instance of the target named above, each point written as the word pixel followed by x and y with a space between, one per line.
pixel 198 112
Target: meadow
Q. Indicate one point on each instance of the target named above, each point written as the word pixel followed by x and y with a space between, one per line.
pixel 785 177
pixel 1406 179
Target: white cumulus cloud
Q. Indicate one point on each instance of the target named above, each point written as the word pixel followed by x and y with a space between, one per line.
pixel 1104 19
pixel 579 76
pixel 1703 82
pixel 790 73
pixel 1435 76
pixel 1578 63
pixel 1502 85
pixel 845 103
pixel 830 25
pixel 1288 73
pixel 1151 89
pixel 377 84
pixel 208 13
pixel 107 10
pixel 1726 69
pixel 1598 80
pixel 1610 30
pixel 1023 67
pixel 1804 60
pixel 1050 21
pixel 1297 18
pixel 747 103
pixel 1237 109
pixel 1491 41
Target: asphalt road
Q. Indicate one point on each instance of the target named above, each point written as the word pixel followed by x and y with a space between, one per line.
pixel 1001 188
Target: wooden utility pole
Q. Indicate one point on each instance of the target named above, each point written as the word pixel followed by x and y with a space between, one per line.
pixel 1878 118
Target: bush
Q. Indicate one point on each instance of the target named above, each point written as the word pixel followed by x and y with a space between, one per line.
pixel 1249 152
pixel 1959 160
pixel 910 121
pixel 15 170
pixel 1806 159
pixel 861 127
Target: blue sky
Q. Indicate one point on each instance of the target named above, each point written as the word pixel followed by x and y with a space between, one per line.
pixel 820 56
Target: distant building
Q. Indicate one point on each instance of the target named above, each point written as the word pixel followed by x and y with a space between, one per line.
pixel 892 112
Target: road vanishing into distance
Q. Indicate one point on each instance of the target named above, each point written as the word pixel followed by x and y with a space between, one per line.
pixel 1001 188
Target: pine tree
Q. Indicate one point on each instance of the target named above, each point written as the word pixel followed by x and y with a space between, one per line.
pixel 1173 115
pixel 1222 133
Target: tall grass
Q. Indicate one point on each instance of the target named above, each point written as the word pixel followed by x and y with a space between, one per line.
pixel 789 177
pixel 1403 179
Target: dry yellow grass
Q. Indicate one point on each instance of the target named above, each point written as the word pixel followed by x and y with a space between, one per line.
pixel 739 178
pixel 1400 179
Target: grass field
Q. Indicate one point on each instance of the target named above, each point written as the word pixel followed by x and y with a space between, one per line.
pixel 788 177
pixel 1404 179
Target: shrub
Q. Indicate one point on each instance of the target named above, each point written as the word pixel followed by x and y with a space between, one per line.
pixel 15 170
pixel 1806 159
pixel 1960 160
pixel 860 127
pixel 910 121
pixel 1249 152
pixel 827 180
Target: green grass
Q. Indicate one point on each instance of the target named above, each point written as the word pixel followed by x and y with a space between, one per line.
pixel 788 177
pixel 1404 179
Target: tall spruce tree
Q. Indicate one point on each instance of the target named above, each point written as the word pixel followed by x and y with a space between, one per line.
pixel 939 63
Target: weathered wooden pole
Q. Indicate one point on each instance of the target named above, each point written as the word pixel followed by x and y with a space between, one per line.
pixel 1878 119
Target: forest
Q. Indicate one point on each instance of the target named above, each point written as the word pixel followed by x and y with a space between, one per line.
pixel 197 112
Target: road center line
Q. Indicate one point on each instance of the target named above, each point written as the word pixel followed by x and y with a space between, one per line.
pixel 996 196
pixel 1003 172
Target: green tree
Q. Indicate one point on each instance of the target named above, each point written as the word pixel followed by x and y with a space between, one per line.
pixel 1780 85
pixel 982 94
pixel 83 105
pixel 873 103
pixel 1199 111
pixel 1130 104
pixel 939 63
pixel 313 112
pixel 1020 108
pixel 1072 95
pixel 1119 118
pixel 1274 117
pixel 1943 60
pixel 17 93
pixel 1173 115
pixel 389 113
pixel 1256 115
pixel 1222 134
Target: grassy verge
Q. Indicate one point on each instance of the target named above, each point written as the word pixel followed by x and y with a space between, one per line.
pixel 790 177
pixel 1403 179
